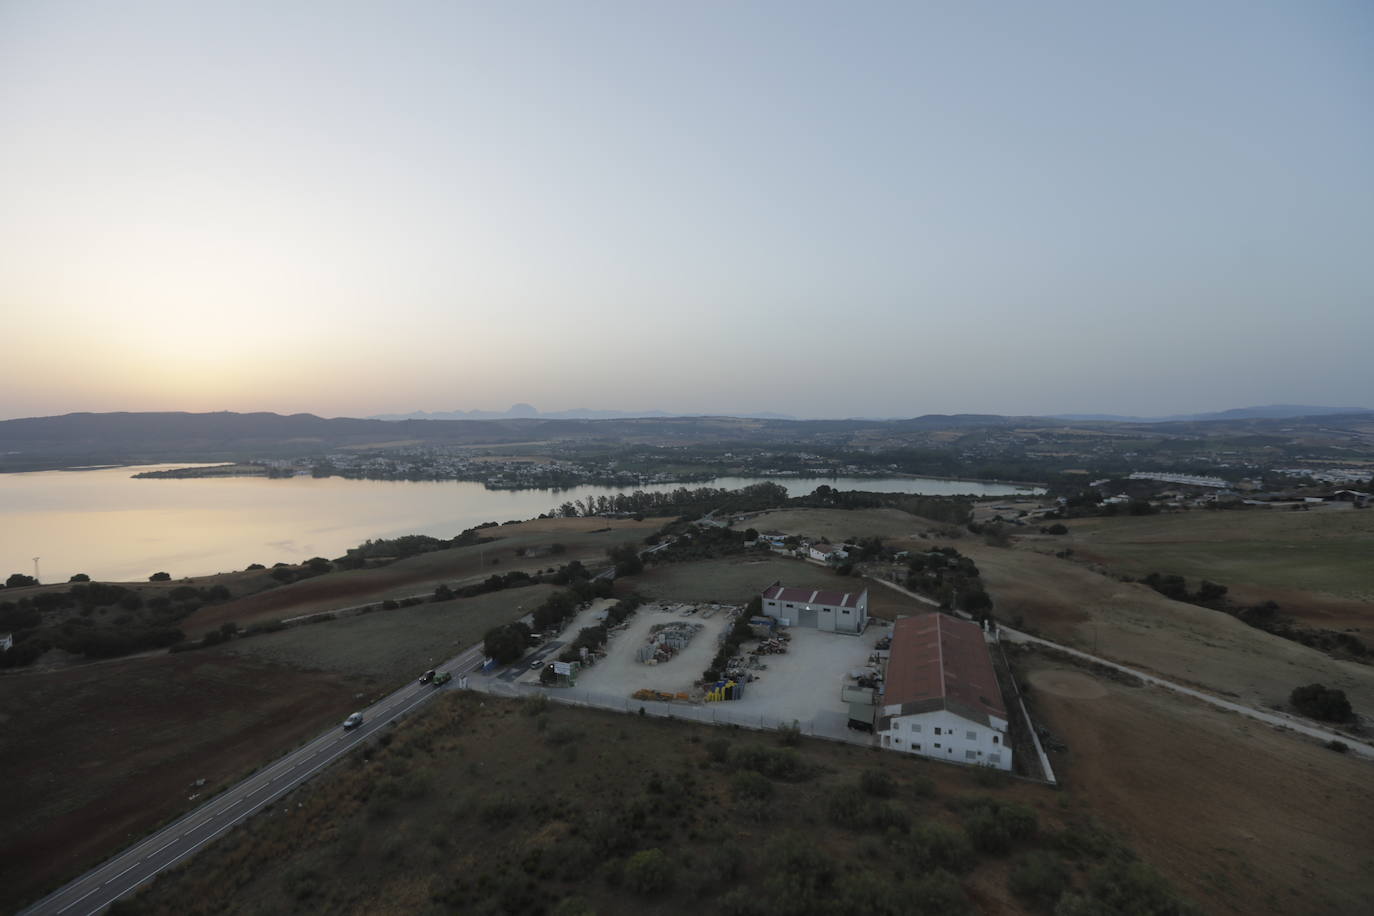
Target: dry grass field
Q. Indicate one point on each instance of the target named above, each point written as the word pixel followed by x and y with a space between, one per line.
pixel 478 805
pixel 1241 817
pixel 386 648
pixel 1132 624
pixel 1319 564
pixel 584 539
pixel 839 524
pixel 93 757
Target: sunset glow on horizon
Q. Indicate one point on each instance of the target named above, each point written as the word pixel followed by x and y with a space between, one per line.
pixel 813 209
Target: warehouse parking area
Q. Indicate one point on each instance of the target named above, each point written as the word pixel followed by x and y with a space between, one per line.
pixel 805 683
pixel 802 684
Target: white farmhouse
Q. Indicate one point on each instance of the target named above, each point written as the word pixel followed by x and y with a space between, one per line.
pixel 834 612
pixel 941 698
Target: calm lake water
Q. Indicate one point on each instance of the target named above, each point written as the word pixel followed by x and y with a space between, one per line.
pixel 110 526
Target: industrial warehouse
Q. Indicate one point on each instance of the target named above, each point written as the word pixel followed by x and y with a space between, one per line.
pixel 833 612
pixel 941 698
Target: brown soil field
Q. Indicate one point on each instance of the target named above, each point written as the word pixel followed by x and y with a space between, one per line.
pixel 734 580
pixel 585 539
pixel 1132 624
pixel 1242 818
pixel 92 758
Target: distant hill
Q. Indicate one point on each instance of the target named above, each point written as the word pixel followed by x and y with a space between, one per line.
pixel 1271 412
pixel 578 413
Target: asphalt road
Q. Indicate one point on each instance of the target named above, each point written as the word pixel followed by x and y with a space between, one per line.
pixel 98 888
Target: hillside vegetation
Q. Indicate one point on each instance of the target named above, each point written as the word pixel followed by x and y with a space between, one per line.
pixel 521 807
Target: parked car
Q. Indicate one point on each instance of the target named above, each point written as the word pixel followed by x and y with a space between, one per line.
pixel 353 721
pixel 443 677
pixel 537 663
pixel 427 676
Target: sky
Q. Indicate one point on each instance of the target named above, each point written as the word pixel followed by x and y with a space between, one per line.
pixel 817 209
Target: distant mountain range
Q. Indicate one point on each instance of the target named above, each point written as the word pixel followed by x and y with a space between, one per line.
pixel 530 412
pixel 1271 412
pixel 85 439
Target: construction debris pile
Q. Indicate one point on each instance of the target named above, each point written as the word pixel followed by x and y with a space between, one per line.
pixel 667 640
pixel 773 645
pixel 660 696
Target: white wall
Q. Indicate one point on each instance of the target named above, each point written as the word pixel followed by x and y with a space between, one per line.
pixel 988 745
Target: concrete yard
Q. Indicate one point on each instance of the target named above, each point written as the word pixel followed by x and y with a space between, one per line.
pixel 802 685
pixel 619 672
pixel 805 683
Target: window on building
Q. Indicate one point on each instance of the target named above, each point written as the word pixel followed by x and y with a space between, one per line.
pixel 994 758
pixel 915 726
pixel 994 740
pixel 790 605
pixel 937 745
pixel 973 736
pixel 846 610
pixel 970 755
pixel 915 747
pixel 937 729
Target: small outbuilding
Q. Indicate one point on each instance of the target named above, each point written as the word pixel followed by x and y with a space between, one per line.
pixel 834 612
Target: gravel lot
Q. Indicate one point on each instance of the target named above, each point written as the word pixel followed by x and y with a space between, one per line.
pixel 802 685
pixel 620 673
pixel 805 683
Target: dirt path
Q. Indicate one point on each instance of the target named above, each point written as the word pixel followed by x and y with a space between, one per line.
pixel 1277 719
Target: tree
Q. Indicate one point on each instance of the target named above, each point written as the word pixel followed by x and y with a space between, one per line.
pixel 506 643
pixel 80 577
pixel 160 577
pixel 1321 702
pixel 19 580
pixel 751 534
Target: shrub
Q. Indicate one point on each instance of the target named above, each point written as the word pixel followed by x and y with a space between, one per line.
pixel 877 783
pixel 790 735
pixel 160 577
pixel 935 845
pixel 850 807
pixel 1039 879
pixel 750 784
pixel 775 763
pixel 718 749
pixel 992 825
pixel 1123 887
pixel 649 872
pixel 1320 702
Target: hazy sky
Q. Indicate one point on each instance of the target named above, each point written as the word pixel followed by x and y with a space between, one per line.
pixel 827 209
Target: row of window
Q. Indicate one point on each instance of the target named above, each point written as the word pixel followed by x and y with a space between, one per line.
pixel 971 735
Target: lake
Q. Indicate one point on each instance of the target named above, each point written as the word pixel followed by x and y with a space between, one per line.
pixel 112 527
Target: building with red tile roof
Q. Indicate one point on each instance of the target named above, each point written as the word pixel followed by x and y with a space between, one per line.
pixel 941 698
